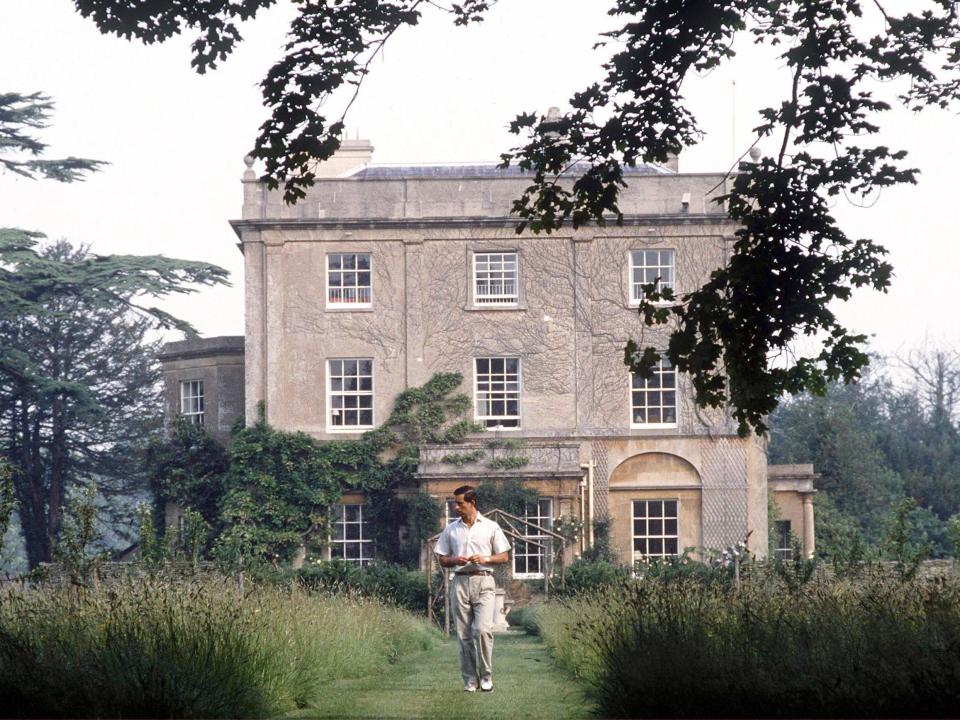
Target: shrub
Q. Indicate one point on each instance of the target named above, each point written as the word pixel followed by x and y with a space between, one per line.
pixel 201 648
pixel 880 647
pixel 589 575
pixel 526 618
pixel 393 584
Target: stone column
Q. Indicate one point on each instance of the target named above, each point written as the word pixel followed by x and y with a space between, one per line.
pixel 808 535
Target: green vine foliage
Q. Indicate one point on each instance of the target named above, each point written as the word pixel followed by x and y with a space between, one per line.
pixel 509 462
pixel 401 524
pixel 188 468
pixel 505 444
pixel 278 487
pixel 462 458
pixel 508 495
pixel 266 494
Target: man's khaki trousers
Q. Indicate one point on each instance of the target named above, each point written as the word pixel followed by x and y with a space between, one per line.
pixel 476 601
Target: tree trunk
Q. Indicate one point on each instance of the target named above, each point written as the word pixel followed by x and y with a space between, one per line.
pixel 29 484
pixel 58 468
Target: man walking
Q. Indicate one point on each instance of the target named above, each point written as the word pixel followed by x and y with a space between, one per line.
pixel 472 546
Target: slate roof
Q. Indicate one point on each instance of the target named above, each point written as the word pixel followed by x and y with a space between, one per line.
pixel 477 170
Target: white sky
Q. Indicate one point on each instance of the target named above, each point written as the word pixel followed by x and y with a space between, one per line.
pixel 176 139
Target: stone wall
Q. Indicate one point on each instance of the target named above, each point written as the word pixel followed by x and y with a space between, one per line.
pixel 218 362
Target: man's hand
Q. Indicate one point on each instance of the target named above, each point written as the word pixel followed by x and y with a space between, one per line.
pixel 478 559
pixel 453 560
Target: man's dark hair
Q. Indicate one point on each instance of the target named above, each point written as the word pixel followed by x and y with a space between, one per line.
pixel 468 492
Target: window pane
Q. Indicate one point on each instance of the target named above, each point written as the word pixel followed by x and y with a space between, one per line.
pixel 497 393
pixel 649 404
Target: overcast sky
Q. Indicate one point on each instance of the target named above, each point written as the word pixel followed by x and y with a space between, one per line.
pixel 175 140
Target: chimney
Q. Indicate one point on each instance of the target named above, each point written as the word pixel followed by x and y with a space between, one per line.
pixel 673 162
pixel 352 155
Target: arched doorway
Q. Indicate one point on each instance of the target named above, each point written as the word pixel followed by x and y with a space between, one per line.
pixel 655 507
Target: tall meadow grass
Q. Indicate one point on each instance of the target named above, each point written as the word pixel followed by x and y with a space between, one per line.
pixel 203 647
pixel 688 647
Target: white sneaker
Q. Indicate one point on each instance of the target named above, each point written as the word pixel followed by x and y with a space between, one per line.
pixel 486 685
pixel 469 687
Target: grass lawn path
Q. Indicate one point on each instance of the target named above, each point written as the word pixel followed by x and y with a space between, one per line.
pixel 427 685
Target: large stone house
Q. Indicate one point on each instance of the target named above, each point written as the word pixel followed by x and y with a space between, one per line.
pixel 384 275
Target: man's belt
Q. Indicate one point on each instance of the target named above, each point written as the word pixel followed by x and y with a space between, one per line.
pixel 475 572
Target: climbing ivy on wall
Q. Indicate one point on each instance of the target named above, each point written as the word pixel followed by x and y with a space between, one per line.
pixel 186 467
pixel 271 489
pixel 508 495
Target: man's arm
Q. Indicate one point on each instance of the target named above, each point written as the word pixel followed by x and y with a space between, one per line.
pixel 497 559
pixel 452 560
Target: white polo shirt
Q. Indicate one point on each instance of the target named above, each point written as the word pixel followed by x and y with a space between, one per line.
pixel 484 537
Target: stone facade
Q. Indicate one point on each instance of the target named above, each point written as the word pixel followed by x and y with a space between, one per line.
pixel 218 364
pixel 421 227
pixel 791 487
pixel 422 232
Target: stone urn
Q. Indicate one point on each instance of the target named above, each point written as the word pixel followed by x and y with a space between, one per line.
pixel 501 607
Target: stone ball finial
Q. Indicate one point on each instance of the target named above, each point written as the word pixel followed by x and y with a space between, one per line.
pixel 755 153
pixel 249 174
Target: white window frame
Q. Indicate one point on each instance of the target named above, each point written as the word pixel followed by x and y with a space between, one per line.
pixel 193 412
pixel 331 393
pixel 542 516
pixel 502 299
pixel 484 419
pixel 663 536
pixel 780 551
pixel 337 547
pixel 646 391
pixel 636 294
pixel 449 514
pixel 357 289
